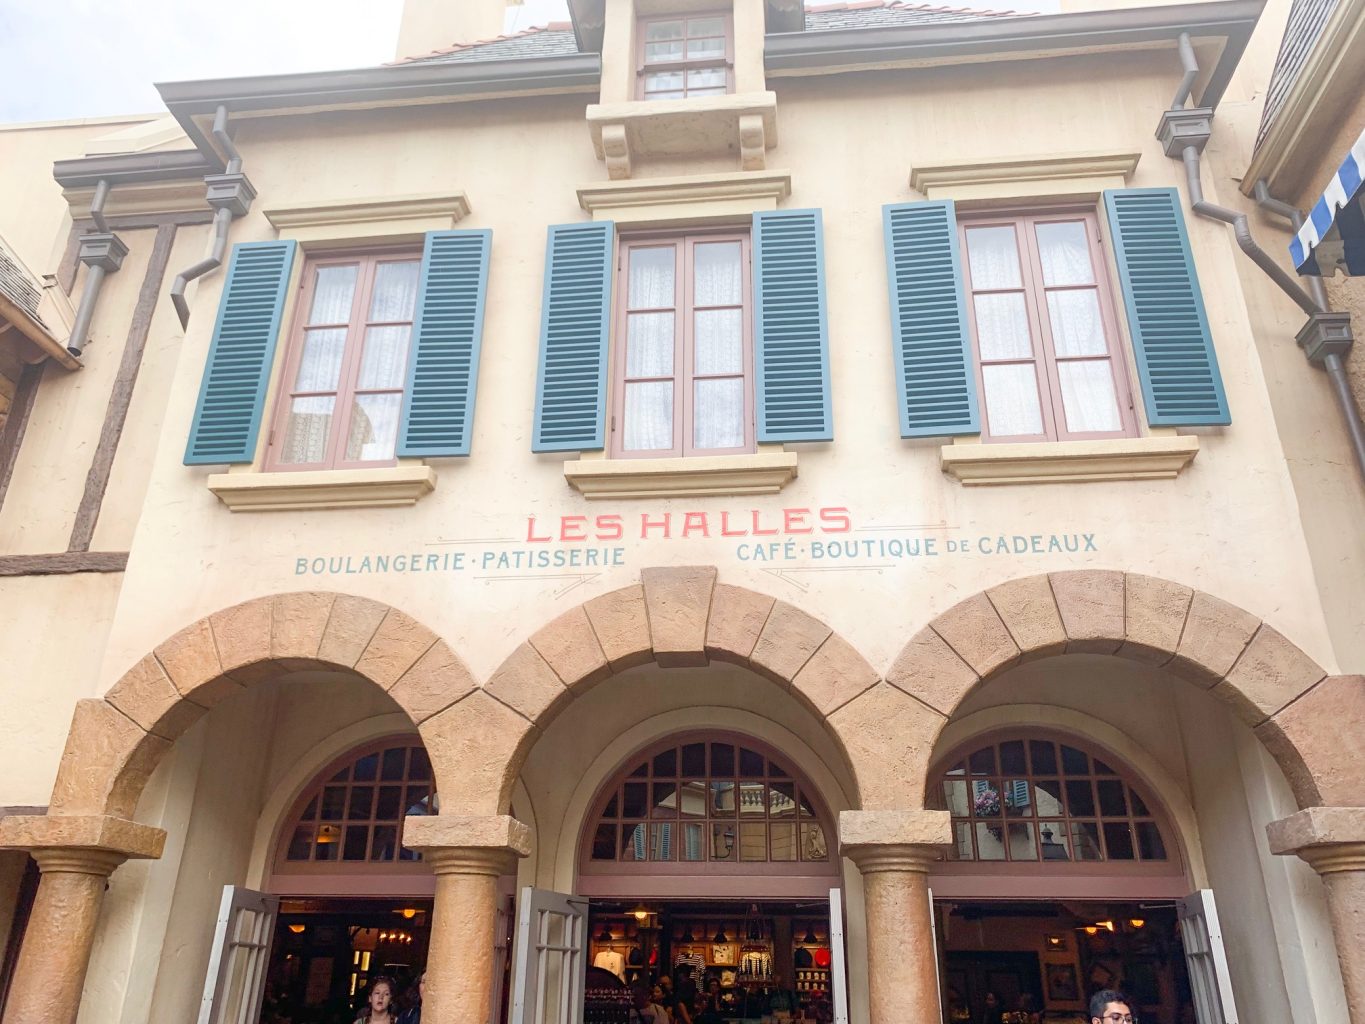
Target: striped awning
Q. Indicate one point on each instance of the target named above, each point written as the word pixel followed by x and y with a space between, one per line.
pixel 1334 235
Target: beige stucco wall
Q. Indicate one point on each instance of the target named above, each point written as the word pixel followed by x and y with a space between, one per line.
pixel 1264 517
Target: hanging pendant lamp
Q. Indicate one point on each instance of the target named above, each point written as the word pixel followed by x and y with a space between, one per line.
pixel 809 938
pixel 720 935
pixel 687 934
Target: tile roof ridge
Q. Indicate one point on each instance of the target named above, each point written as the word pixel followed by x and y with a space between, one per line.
pixel 910 5
pixel 553 26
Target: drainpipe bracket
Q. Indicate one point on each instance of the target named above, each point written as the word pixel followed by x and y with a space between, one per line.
pixel 232 192
pixel 102 249
pixel 1180 129
pixel 1326 334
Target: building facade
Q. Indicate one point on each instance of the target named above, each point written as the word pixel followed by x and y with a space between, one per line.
pixel 813 498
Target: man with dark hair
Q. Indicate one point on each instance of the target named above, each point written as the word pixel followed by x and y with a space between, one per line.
pixel 1110 1007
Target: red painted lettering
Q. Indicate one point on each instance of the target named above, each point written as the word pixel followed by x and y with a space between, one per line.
pixel 835 520
pixel 573 527
pixel 696 522
pixel 758 532
pixel 531 537
pixel 725 530
pixel 609 527
pixel 665 524
pixel 794 520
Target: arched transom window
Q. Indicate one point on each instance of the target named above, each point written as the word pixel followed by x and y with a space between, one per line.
pixel 350 819
pixel 708 800
pixel 1035 800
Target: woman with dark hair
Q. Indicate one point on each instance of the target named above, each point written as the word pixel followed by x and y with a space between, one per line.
pixel 993 1011
pixel 379 1005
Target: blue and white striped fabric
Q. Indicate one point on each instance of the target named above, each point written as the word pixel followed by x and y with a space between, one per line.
pixel 1334 234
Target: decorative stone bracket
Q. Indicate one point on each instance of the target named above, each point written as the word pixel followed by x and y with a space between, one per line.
pixel 744 124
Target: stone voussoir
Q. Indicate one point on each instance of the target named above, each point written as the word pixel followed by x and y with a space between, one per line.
pixel 974 630
pixel 437 680
pixel 789 638
pixel 242 633
pixel 526 683
pixel 1307 738
pixel 736 621
pixel 622 626
pixel 1154 618
pixel 1090 602
pixel 350 628
pixel 678 603
pixel 1028 609
pixel 146 695
pixel 928 669
pixel 1271 672
pixel 395 647
pixel 570 647
pixel 834 675
pixel 190 660
pixel 475 746
pixel 1215 635
pixel 297 623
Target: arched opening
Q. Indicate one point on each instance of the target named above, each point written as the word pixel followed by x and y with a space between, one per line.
pixel 354 902
pixel 1064 876
pixel 709 857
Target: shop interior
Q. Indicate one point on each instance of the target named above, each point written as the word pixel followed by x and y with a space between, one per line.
pixel 1042 960
pixel 326 951
pixel 738 961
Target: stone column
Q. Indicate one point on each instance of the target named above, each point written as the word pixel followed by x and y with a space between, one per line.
pixel 893 850
pixel 467 855
pixel 1331 840
pixel 76 856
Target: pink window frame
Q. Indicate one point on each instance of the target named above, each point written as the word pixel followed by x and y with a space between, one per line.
pixel 706 878
pixel 349 878
pixel 1044 356
pixel 684 351
pixel 368 261
pixel 727 62
pixel 1040 879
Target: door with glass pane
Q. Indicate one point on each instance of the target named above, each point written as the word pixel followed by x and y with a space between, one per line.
pixel 550 963
pixel 1049 364
pixel 235 985
pixel 346 369
pixel 1206 959
pixel 683 380
pixel 838 970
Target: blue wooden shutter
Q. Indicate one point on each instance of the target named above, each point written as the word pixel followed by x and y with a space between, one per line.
pixel 935 372
pixel 443 370
pixel 1181 384
pixel 228 416
pixel 571 383
pixel 791 338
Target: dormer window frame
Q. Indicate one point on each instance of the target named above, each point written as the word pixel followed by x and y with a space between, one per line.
pixel 645 67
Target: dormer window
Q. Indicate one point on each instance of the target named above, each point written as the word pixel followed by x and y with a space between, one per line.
pixel 681 57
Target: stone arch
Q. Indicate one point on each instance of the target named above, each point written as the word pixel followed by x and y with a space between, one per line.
pixel 1304 717
pixel 116 741
pixel 676 617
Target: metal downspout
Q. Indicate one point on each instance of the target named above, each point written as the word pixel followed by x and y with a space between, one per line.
pixel 230 194
pixel 102 252
pixel 1332 362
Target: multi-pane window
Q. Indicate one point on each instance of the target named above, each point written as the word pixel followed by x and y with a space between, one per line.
pixel 683 356
pixel 680 57
pixel 709 802
pixel 1039 800
pixel 356 814
pixel 1048 358
pixel 347 365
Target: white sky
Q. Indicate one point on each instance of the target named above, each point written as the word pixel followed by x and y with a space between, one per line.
pixel 88 58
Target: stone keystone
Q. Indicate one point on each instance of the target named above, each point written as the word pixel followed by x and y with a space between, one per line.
pixel 678 601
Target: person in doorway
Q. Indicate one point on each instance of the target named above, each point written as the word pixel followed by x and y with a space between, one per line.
pixel 643 1008
pixel 781 999
pixel 413 1014
pixel 992 1011
pixel 659 998
pixel 1110 1007
pixel 379 1005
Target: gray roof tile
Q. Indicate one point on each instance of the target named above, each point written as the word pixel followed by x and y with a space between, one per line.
pixel 17 285
pixel 557 40
pixel 1307 18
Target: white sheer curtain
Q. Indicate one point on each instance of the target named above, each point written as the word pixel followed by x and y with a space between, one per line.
pixel 718 346
pixel 651 340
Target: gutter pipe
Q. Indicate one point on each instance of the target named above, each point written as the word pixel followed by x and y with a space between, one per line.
pixel 1185 132
pixel 230 194
pixel 102 252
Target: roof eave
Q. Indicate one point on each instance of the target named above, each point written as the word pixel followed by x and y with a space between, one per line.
pixel 833 50
pixel 395 85
pixel 35 333
pixel 131 168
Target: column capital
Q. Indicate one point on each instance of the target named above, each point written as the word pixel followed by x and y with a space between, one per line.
pixel 894 840
pixel 1329 839
pixel 93 834
pixel 76 860
pixel 459 845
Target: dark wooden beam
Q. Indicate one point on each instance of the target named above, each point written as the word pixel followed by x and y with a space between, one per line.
pixel 63 564
pixel 19 411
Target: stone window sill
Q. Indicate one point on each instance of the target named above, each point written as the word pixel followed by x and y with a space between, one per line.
pixel 759 473
pixel 323 489
pixel 1127 458
pixel 743 124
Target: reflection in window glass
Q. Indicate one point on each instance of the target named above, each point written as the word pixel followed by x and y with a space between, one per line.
pixel 1092 814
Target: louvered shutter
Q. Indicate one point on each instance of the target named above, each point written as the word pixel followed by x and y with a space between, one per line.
pixel 571 384
pixel 228 416
pixel 443 370
pixel 1181 385
pixel 931 348
pixel 791 337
